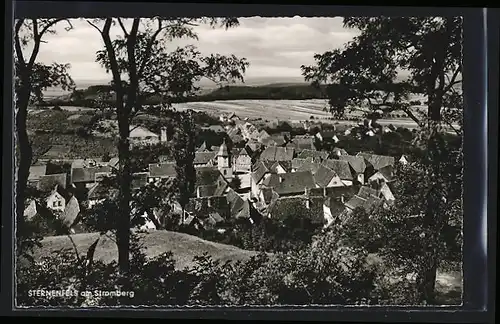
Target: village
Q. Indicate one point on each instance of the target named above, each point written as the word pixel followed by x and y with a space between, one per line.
pixel 271 170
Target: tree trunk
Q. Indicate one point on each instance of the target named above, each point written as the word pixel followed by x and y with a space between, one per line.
pixel 24 154
pixel 125 180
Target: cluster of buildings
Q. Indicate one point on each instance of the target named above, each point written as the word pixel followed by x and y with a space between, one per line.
pixel 272 170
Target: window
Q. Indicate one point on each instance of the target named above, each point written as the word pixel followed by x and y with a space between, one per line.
pixel 225 172
pixel 54 204
pixel 59 203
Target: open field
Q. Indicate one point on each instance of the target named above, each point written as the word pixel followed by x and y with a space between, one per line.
pixel 185 247
pixel 272 110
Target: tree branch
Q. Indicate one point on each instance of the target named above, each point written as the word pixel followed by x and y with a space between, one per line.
pixel 17 43
pixel 36 46
pixel 95 26
pixel 74 247
pixel 123 27
pixel 149 47
pixel 453 79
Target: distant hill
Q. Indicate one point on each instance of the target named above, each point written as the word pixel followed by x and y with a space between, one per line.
pixel 185 247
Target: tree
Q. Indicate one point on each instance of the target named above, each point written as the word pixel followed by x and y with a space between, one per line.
pixel 365 73
pixel 152 70
pixel 31 79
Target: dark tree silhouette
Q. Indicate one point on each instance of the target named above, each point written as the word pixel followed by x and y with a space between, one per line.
pixel 153 70
pixel 31 78
pixel 364 74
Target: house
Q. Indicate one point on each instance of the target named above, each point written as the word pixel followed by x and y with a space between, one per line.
pixel 55 201
pixel 316 155
pixel 302 143
pixel 327 136
pixel 332 208
pixel 357 165
pixel 248 213
pixel 287 184
pixel 36 172
pixel 48 182
pixel 86 177
pixel 204 159
pixel 242 161
pixel 342 169
pixel 336 152
pixel 347 132
pixel 142 136
pixel 403 160
pixel 309 165
pixel 260 172
pixel 375 162
pixel 325 177
pixel 263 135
pixel 31 210
pixel 281 167
pixel 383 175
pixel 210 182
pixel 279 139
pixel 203 148
pixel 386 130
pixel 234 201
pixel 387 194
pixel 160 171
pixel 367 198
pixel 297 163
pixel 254 145
pixel 274 153
pixel 70 214
pixel 114 162
pixel 99 193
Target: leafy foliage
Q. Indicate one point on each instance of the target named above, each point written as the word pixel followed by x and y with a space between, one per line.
pixel 366 69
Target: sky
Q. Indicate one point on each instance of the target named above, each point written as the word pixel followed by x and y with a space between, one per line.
pixel 274 47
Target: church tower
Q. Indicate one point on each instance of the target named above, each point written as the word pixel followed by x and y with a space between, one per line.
pixel 223 161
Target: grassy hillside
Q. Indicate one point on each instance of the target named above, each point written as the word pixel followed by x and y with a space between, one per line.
pixel 185 247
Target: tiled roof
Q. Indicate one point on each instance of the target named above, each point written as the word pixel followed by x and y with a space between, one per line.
pixel 37 171
pixel 203 157
pixel 357 163
pixel 288 183
pixel 49 182
pixel 202 148
pixel 71 211
pixel 275 153
pixel 259 170
pixel 340 167
pixel 309 166
pixel 387 172
pixel 313 154
pixel 234 201
pixel 377 161
pixel 323 176
pixel 87 174
pixel 161 170
pixel 303 143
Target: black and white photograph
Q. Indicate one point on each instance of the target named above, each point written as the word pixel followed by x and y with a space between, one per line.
pixel 238 161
